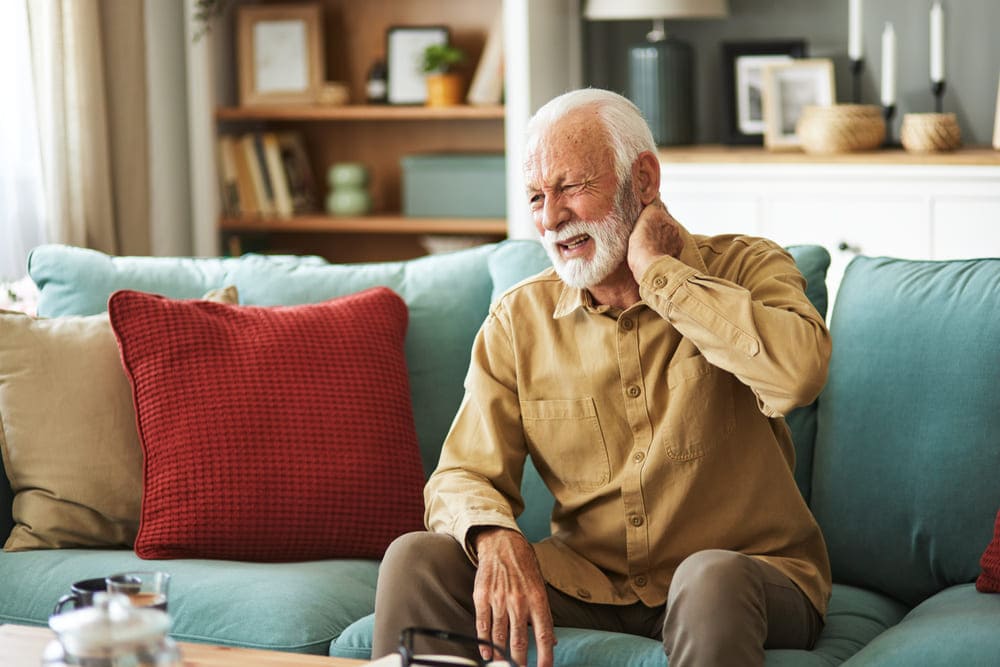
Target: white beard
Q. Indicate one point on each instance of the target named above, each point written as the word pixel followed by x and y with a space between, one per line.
pixel 610 236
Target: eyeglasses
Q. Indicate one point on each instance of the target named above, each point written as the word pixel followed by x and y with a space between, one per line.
pixel 408 659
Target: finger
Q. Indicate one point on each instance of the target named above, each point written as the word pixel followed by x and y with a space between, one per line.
pixel 519 641
pixel 501 627
pixel 545 639
pixel 484 623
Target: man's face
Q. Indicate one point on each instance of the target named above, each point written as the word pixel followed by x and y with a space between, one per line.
pixel 583 217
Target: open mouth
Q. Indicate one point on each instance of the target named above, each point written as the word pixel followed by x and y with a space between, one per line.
pixel 574 246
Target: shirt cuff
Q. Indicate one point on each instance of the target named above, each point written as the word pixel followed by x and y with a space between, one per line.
pixel 464 525
pixel 663 277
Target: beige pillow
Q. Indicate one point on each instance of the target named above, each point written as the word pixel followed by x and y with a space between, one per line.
pixel 67 432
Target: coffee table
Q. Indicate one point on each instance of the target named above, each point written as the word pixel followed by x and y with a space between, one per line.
pixel 22 646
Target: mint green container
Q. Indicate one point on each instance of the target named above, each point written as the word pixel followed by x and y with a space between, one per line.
pixel 454 185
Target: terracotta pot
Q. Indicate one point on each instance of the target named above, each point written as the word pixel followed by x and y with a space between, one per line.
pixel 444 90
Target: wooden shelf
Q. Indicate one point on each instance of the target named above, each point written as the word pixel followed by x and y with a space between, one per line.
pixel 369 224
pixel 714 153
pixel 360 112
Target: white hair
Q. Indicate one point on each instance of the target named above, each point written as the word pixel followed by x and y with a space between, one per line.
pixel 628 132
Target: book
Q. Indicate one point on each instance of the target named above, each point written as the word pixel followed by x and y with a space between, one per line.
pixel 249 152
pixel 301 184
pixel 279 178
pixel 265 172
pixel 244 181
pixel 487 81
pixel 228 181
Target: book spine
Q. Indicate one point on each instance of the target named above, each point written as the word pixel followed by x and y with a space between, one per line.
pixel 279 179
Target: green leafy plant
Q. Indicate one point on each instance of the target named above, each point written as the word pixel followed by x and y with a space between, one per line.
pixel 205 12
pixel 440 58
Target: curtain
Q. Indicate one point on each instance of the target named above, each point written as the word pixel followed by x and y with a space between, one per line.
pixel 22 202
pixel 81 120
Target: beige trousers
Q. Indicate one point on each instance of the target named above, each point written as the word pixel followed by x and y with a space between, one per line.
pixel 723 608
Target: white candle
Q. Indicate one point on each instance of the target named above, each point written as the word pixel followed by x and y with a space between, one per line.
pixel 937 43
pixel 888 66
pixel 854 49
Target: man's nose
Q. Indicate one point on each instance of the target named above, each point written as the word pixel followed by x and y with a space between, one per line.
pixel 554 213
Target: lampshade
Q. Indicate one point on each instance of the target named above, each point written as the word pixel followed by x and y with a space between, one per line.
pixel 620 10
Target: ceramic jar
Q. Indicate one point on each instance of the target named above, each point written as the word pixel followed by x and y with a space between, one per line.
pixel 349 194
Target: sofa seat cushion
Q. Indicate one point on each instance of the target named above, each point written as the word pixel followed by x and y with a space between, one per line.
pixel 958 626
pixel 908 423
pixel 854 618
pixel 297 607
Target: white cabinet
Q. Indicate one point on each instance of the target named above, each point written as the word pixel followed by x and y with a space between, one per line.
pixel 885 203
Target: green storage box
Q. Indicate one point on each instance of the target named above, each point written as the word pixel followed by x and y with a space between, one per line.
pixel 454 185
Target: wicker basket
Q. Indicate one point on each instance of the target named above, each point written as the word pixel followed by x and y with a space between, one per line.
pixel 930 132
pixel 841 128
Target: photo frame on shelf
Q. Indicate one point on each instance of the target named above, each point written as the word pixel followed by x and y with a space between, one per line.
pixel 280 53
pixel 742 76
pixel 788 89
pixel 404 48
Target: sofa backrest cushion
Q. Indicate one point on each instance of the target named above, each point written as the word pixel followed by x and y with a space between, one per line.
pixel 906 457
pixel 78 281
pixel 513 261
pixel 447 296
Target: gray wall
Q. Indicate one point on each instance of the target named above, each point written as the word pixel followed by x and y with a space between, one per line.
pixel 972 54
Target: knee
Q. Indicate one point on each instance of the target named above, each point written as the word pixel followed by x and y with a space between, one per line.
pixel 712 574
pixel 421 554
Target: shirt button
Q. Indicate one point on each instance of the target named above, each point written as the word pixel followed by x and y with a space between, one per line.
pixel 633 391
pixel 583 593
pixel 636 521
pixel 627 324
pixel 659 281
pixel 640 581
pixel 638 457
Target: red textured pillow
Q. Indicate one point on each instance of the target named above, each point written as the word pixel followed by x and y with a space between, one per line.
pixel 989 579
pixel 271 434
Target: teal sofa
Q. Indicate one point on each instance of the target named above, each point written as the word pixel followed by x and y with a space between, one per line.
pixel 898 458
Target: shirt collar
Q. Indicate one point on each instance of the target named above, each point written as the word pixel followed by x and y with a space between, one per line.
pixel 572 298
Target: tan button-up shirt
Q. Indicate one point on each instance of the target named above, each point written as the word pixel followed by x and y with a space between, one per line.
pixel 658 429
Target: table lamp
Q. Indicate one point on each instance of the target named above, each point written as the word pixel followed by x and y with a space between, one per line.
pixel 660 70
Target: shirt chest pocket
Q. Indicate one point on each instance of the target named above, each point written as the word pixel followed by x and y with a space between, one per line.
pixel 699 408
pixel 565 439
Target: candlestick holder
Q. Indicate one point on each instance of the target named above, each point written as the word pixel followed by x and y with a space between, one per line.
pixel 937 87
pixel 888 111
pixel 856 67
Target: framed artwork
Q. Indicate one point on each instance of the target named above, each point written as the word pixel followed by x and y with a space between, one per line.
pixel 404 48
pixel 280 53
pixel 788 89
pixel 742 76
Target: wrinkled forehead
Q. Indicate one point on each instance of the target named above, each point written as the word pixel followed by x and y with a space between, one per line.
pixel 576 142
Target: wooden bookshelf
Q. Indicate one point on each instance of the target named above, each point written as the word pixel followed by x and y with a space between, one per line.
pixel 378 136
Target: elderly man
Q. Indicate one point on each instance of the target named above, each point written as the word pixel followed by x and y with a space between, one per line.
pixel 646 374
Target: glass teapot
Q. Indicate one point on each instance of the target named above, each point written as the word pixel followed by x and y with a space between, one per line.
pixel 111 633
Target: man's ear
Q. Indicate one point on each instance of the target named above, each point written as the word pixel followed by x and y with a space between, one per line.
pixel 646 176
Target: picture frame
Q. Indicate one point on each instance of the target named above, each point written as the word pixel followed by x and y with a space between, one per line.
pixel 404 49
pixel 742 79
pixel 788 89
pixel 280 53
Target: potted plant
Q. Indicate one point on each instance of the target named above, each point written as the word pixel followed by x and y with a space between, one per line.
pixel 444 86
